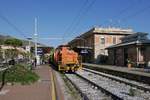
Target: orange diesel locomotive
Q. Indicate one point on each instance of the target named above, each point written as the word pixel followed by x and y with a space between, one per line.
pixel 65 59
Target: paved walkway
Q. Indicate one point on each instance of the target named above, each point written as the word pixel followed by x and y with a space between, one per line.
pixel 40 90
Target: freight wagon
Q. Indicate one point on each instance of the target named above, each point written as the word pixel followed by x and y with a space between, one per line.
pixel 65 59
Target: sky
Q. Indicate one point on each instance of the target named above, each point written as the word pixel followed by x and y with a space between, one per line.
pixel 67 19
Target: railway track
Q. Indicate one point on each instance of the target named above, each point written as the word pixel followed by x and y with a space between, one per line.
pixel 89 90
pixel 123 72
pixel 136 84
pixel 116 88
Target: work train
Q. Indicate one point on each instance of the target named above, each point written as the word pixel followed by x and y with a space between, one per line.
pixel 65 59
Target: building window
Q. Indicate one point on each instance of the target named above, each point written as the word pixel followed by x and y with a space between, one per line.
pixel 102 40
pixel 114 40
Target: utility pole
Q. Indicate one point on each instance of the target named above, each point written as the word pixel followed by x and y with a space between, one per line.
pixel 35 37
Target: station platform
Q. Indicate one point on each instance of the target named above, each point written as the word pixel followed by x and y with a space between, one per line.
pixel 138 74
pixel 41 90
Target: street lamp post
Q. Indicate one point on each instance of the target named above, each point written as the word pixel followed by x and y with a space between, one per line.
pixel 35 37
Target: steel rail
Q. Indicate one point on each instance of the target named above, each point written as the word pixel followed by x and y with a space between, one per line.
pixel 115 97
pixel 117 79
pixel 84 96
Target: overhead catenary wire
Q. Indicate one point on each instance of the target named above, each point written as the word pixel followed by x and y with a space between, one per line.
pixel 136 13
pixel 75 19
pixel 83 14
pixel 12 25
pixel 119 14
pixel 123 11
pixel 126 18
pixel 80 17
pixel 130 16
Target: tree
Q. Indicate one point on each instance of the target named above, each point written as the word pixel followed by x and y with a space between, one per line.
pixel 1 41
pixel 13 42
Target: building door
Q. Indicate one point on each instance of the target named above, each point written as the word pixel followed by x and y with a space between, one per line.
pixel 114 59
pixel 125 56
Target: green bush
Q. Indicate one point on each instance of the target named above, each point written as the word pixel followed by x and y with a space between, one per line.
pixel 20 74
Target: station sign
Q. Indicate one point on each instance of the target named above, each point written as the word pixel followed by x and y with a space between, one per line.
pixel 84 51
pixel 39 51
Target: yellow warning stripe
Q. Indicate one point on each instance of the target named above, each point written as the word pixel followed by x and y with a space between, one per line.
pixel 53 87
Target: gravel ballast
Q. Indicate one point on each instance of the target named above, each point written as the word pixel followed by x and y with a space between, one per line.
pixel 120 89
pixel 90 91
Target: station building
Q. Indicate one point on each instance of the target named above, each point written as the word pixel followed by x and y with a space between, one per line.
pixel 134 49
pixel 91 44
